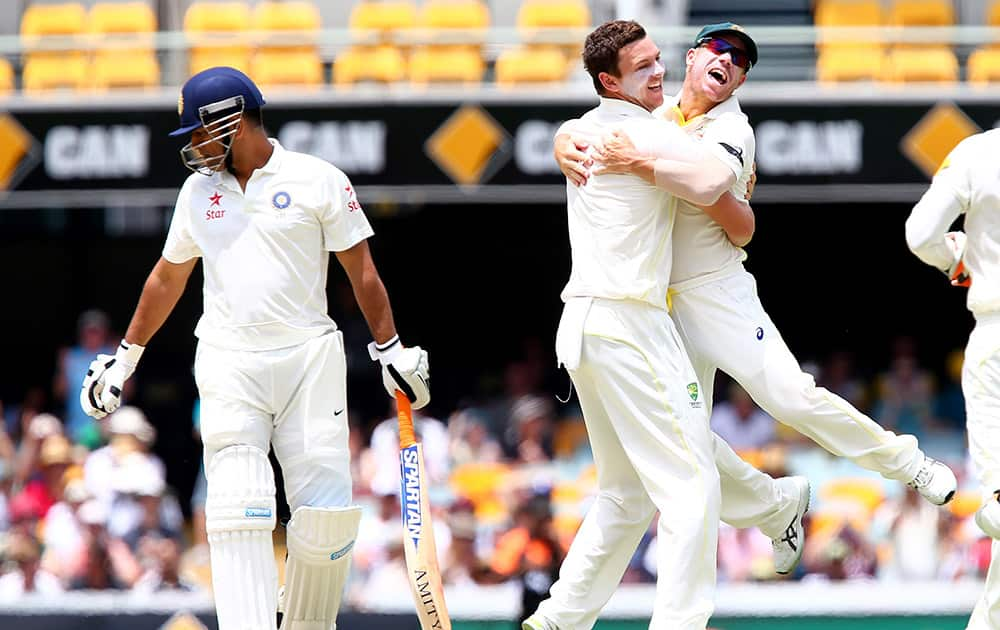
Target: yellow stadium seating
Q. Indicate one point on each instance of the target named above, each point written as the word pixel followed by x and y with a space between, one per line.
pixel 993 14
pixel 111 70
pixel 531 65
pixel 301 68
pixel 455 14
pixel 845 62
pixel 535 14
pixel 41 20
pixel 929 64
pixel 983 66
pixel 384 18
pixel 6 76
pixel 290 26
pixel 383 64
pixel 201 59
pixel 51 72
pixel 921 13
pixel 217 32
pixel 446 64
pixel 848 13
pixel 122 18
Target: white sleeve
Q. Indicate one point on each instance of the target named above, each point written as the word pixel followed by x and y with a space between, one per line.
pixel 572 126
pixel 181 246
pixel 344 222
pixel 946 199
pixel 730 139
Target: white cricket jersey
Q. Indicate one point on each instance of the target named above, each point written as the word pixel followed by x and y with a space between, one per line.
pixel 620 225
pixel 265 251
pixel 968 183
pixel 701 247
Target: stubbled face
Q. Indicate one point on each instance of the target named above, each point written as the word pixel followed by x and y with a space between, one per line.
pixel 715 75
pixel 640 79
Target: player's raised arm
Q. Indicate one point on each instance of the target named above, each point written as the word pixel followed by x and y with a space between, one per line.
pixel 735 216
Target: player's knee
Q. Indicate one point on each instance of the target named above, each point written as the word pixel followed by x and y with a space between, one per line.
pixel 241 493
pixel 317 535
pixel 317 483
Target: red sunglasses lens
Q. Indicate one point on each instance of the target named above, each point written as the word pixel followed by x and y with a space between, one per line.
pixel 721 46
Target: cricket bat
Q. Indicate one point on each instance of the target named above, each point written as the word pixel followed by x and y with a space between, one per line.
pixel 418 532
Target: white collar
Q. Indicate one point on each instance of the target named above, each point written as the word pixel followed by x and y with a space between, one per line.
pixel 625 109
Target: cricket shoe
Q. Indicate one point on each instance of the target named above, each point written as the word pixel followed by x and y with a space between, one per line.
pixel 788 547
pixel 538 622
pixel 935 482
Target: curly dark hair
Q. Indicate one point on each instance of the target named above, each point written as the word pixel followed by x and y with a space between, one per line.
pixel 600 51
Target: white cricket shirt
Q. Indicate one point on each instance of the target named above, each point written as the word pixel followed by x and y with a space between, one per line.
pixel 968 183
pixel 265 251
pixel 619 225
pixel 701 247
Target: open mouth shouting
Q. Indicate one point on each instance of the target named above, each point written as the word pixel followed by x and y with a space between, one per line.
pixel 719 75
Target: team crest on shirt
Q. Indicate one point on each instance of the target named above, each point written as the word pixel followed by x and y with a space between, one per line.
pixel 281 200
pixel 693 393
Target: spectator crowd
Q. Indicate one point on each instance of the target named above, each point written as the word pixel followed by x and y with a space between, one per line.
pixel 86 505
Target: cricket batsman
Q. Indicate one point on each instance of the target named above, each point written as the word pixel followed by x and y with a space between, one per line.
pixel 270 363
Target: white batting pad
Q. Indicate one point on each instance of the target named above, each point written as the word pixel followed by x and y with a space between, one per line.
pixel 240 515
pixel 320 541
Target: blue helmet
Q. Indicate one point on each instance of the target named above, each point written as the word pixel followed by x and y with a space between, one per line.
pixel 214 99
pixel 209 92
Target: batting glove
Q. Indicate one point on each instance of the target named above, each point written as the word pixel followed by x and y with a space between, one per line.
pixel 101 392
pixel 403 369
pixel 957 273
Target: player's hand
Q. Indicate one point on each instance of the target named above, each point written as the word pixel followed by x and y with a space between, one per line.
pixel 615 154
pixel 403 369
pixel 752 183
pixel 101 392
pixel 571 155
pixel 957 273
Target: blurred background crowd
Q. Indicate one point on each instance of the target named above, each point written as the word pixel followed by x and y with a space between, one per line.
pixel 87 505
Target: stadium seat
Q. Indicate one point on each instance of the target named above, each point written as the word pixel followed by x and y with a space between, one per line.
pixel 993 14
pixel 112 70
pixel 921 13
pixel 6 76
pixel 848 13
pixel 846 62
pixel 46 72
pixel 382 17
pixel 217 32
pixel 542 64
pixel 300 68
pixel 446 64
pixel 383 64
pixel 289 26
pixel 122 18
pixel 455 14
pixel 983 66
pixel 930 64
pixel 536 16
pixel 41 20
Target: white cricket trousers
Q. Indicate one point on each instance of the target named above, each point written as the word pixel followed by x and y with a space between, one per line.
pixel 653 451
pixel 724 326
pixel 981 387
pixel 294 399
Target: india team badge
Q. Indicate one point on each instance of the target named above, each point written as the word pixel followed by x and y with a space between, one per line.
pixel 281 200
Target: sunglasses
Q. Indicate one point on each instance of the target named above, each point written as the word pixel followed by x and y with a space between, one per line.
pixel 721 46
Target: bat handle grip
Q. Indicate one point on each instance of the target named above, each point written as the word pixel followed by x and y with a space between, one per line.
pixel 405 411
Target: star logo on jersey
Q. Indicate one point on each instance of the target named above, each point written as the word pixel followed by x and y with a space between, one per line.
pixel 215 199
pixel 353 203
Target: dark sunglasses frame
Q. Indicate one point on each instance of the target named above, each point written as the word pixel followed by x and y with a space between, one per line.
pixel 720 46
